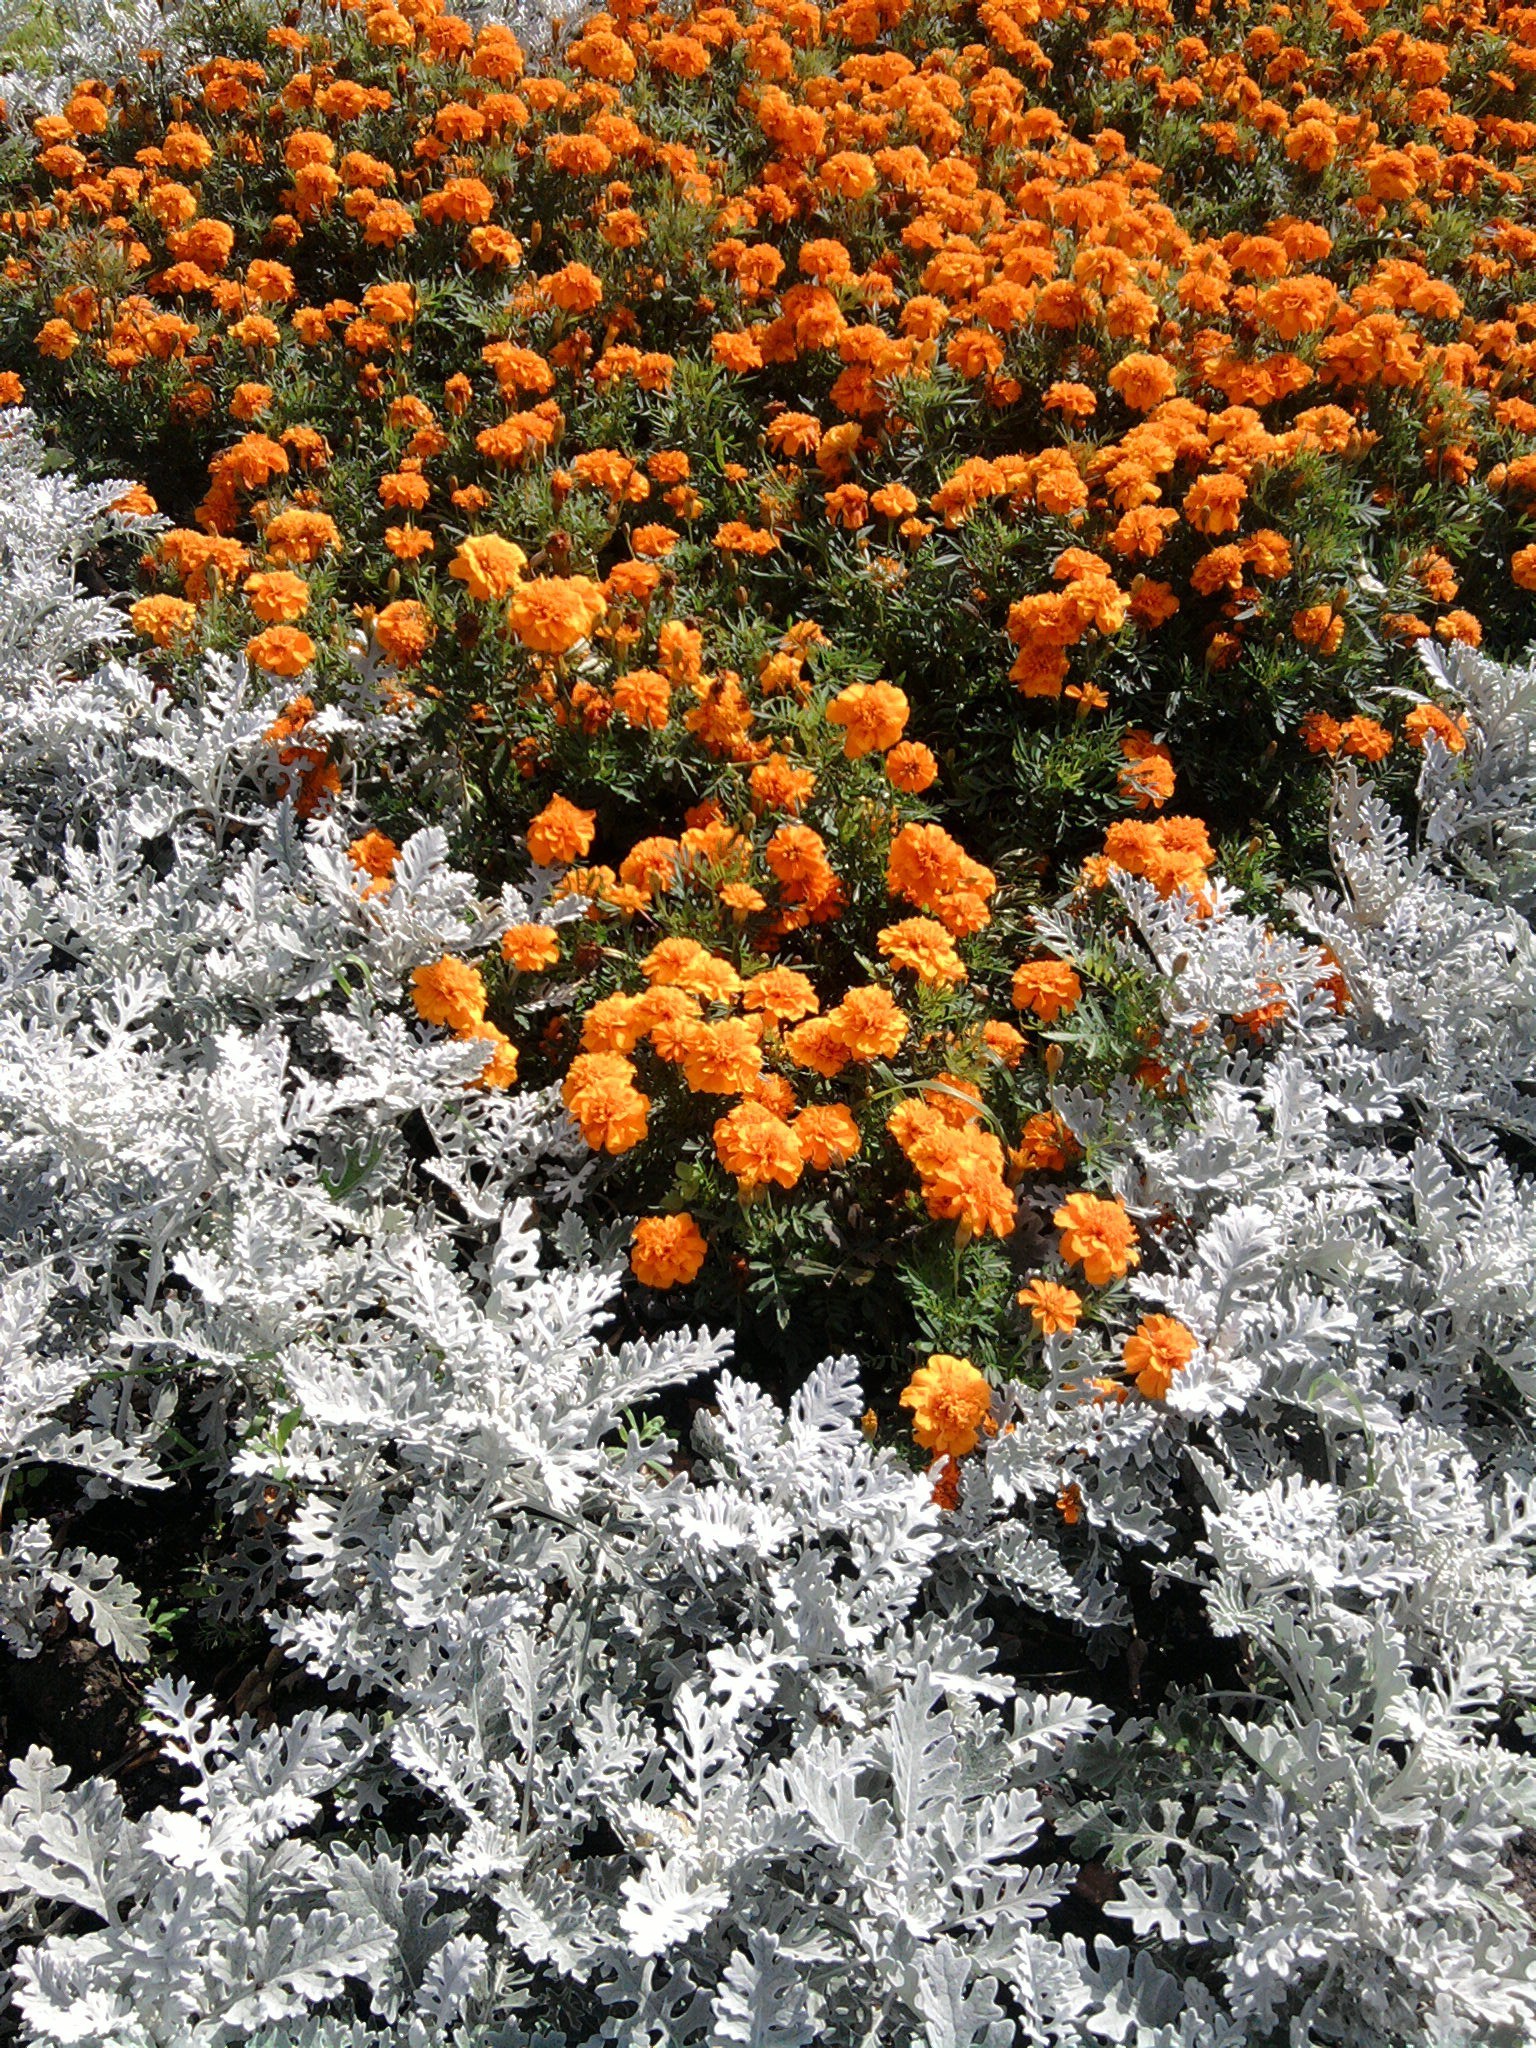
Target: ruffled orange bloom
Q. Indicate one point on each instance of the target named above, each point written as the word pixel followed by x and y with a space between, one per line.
pixel 600 1092
pixel 500 1069
pixel 560 833
pixel 1159 1347
pixel 873 717
pixel 925 948
pixel 869 1023
pixel 684 963
pixel 530 947
pixel 552 614
pixel 163 619
pixel 667 1251
pixel 758 1147
pixel 404 631
pixel 1052 1307
pixel 449 992
pixel 1097 1235
pixel 781 993
pixel 911 767
pixel 375 853
pixel 1048 988
pixel 722 1058
pixel 951 1403
pixel 281 651
pixel 828 1135
pixel 488 566
pixel 276 596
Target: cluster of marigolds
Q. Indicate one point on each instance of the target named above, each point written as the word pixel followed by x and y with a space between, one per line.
pixel 472 339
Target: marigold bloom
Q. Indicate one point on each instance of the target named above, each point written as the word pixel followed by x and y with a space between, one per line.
pixel 276 596
pixel 722 1058
pixel 951 1402
pixel 1045 1144
pixel 1048 988
pixel 781 993
pixel 560 833
pixel 1097 1235
pixel 449 992
pixel 684 963
pixel 163 619
pixel 923 946
pixel 828 1135
pixel 530 947
pixel 281 651
pixel 404 631
pixel 643 697
pixel 600 1092
pixel 1051 1306
pixel 1425 720
pixel 375 854
pixel 551 614
pixel 1159 1347
pixel 500 1069
pixel 1143 381
pixel 488 566
pixel 758 1148
pixel 869 1022
pixel 911 767
pixel 667 1251
pixel 873 717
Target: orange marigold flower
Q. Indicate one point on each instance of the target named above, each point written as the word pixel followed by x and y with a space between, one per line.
pixel 375 854
pixel 1143 381
pixel 643 697
pixel 873 717
pixel 560 833
pixel 163 619
pixel 951 1403
pixel 923 946
pixel 281 651
pixel 552 614
pixel 488 566
pixel 1365 738
pixel 684 963
pixel 601 1095
pixel 404 631
pixel 722 1058
pixel 828 1135
pixel 500 1069
pixel 758 1148
pixel 1048 988
pixel 449 992
pixel 911 767
pixel 781 993
pixel 667 1251
pixel 574 289
pixel 530 947
pixel 1045 1144
pixel 1051 1306
pixel 1158 1347
pixel 1097 1235
pixel 869 1022
pixel 1426 719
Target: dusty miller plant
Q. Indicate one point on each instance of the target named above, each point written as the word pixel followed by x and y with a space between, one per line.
pixel 1344 1471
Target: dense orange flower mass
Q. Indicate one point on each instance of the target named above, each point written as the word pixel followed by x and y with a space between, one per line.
pixel 821 521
